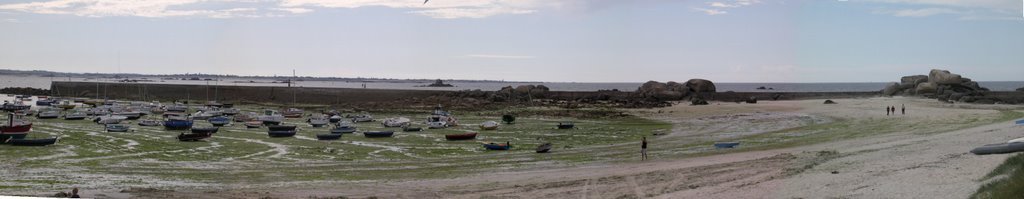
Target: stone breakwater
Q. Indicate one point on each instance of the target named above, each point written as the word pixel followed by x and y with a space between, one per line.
pixel 396 99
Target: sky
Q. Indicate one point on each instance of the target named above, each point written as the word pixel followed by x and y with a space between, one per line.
pixel 522 40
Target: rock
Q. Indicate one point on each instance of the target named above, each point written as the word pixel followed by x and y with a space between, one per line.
pixel 698 101
pixel 972 85
pixel 539 91
pixel 762 88
pixel 891 89
pixel 61 195
pixel 523 89
pixel 752 100
pixel 955 96
pixel 943 77
pixel 700 85
pixel 1021 89
pixel 830 102
pixel 913 80
pixel 925 87
pixel 967 99
pixel 653 90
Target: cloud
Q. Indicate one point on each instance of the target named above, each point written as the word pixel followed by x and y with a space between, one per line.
pixel 446 9
pixel 717 7
pixel 965 9
pixel 490 56
pixel 710 11
pixel 923 12
pixel 12 20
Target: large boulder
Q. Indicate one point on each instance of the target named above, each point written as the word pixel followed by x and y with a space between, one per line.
pixel 891 89
pixel 700 85
pixel 1021 89
pixel 943 77
pixel 661 91
pixel 908 82
pixel 925 87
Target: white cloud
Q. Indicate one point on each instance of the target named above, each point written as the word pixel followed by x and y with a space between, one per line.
pixel 710 11
pixel 717 7
pixel 965 9
pixel 295 10
pixel 12 20
pixel 443 9
pixel 923 12
pixel 490 56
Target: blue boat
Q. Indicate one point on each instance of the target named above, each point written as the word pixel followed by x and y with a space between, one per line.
pixel 1020 122
pixel 495 146
pixel 45 102
pixel 219 121
pixel 726 145
pixel 378 134
pixel 177 124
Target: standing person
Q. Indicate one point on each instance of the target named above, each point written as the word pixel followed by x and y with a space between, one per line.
pixel 886 110
pixel 903 109
pixel 643 148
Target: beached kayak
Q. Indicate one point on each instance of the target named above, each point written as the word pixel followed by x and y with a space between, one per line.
pixel 999 148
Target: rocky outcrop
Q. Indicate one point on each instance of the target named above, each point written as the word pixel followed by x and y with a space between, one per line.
pixel 1021 89
pixel 700 85
pixel 24 91
pixel 657 91
pixel 939 84
pixel 829 102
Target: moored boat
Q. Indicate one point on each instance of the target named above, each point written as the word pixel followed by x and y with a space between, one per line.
pixel 343 128
pixel 726 145
pixel 48 114
pixel 209 130
pixel 31 142
pixel 185 137
pixel 281 127
pixel 395 122
pixel 75 115
pixel 253 124
pixel 460 136
pixel 334 118
pixel 109 119
pixel 117 128
pixel 566 125
pixel 489 125
pixel 496 146
pixel 329 136
pixel 219 121
pixel 149 123
pixel 999 148
pixel 174 123
pixel 270 117
pixel 14 128
pixel 544 148
pixel 277 134
pixel 378 134
pixel 318 121
pixel 408 128
pixel 292 113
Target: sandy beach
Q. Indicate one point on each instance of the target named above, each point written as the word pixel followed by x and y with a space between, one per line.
pixel 923 154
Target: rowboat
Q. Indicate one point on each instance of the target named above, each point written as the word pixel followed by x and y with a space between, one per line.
pixel 149 123
pixel 334 118
pixel 207 130
pixel 75 116
pixel 278 134
pixel 462 136
pixel 494 146
pixel 329 136
pixel 31 142
pixel 117 128
pixel 270 117
pixel 193 136
pixel 726 145
pixel 566 125
pixel 395 122
pixel 343 129
pixel 489 125
pixel 1020 122
pixel 378 134
pixel 292 113
pixel 44 102
pixel 253 124
pixel 109 119
pixel 544 148
pixel 437 125
pixel 999 148
pixel 408 128
pixel 318 121
pixel 48 114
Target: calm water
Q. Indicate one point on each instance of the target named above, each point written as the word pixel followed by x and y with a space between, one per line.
pixel 44 82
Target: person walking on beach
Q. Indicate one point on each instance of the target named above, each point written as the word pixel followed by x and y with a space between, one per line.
pixel 903 109
pixel 887 110
pixel 643 148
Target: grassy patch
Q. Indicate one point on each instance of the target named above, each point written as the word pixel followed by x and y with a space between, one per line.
pixel 1007 181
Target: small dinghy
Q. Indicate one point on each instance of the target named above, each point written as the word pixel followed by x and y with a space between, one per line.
pixel 437 125
pixel 219 121
pixel 279 134
pixel 31 142
pixel 489 125
pixel 192 137
pixel 378 134
pixel 329 136
pixel 462 136
pixel 207 130
pixel 566 125
pixel 149 123
pixel 408 128
pixel 726 145
pixel 1020 122
pixel 343 129
pixel 253 124
pixel 177 124
pixel 395 122
pixel 75 116
pixel 544 148
pixel 494 146
pixel 334 119
pixel 318 121
pixel 117 128
pixel 999 148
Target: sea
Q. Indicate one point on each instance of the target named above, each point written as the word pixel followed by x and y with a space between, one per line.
pixel 44 83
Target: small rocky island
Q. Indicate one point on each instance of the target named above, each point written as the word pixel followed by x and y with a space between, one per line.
pixel 437 83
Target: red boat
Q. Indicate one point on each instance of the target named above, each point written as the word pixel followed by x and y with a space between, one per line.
pixel 464 136
pixel 15 129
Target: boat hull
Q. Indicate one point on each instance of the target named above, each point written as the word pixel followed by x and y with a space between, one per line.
pixel 497 147
pixel 464 136
pixel 332 136
pixel 177 124
pixel 726 145
pixel 382 134
pixel 999 148
pixel 192 137
pixel 32 142
pixel 280 134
